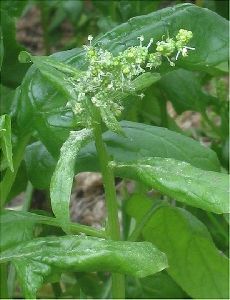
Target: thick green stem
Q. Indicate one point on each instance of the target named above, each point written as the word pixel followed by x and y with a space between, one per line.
pixel 113 228
pixel 8 180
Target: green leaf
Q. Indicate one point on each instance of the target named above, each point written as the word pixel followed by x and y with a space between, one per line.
pixel 211 45
pixel 184 90
pixel 43 61
pixel 23 219
pixel 1 48
pixel 194 261
pixel 143 140
pixel 35 260
pixel 139 140
pixel 5 135
pixel 157 286
pixel 62 179
pixel 53 120
pixel 12 71
pixel 14 8
pixel 40 165
pixel 44 107
pixel 110 120
pixel 15 228
pixel 181 181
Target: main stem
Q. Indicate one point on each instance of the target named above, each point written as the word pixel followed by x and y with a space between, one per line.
pixel 113 228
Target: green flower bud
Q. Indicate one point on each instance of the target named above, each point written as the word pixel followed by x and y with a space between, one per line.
pixel 184 36
pixel 166 48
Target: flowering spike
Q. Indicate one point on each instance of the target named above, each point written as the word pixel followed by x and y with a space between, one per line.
pixel 107 73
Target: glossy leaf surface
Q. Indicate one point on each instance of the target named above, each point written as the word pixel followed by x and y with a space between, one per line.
pixel 184 90
pixel 53 120
pixel 143 140
pixel 194 261
pixel 40 165
pixel 140 141
pixel 181 181
pixel 35 260
pixel 211 45
pixel 62 179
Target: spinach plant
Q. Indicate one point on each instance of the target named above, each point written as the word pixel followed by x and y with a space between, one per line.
pixel 66 112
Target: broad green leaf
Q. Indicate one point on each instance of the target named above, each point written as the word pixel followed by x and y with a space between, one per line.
pixel 8 104
pixel 157 286
pixel 62 179
pixel 46 103
pixel 194 261
pixel 139 141
pixel 143 140
pixel 37 259
pixel 40 165
pixel 12 71
pixel 184 90
pixel 15 227
pixel 53 120
pixel 211 45
pixel 181 181
pixel 5 139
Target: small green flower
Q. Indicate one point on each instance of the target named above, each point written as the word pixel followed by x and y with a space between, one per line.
pixel 166 48
pixel 107 73
pixel 154 60
pixel 184 36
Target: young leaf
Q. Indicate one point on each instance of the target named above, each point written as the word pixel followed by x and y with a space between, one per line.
pixel 37 259
pixel 181 181
pixel 194 261
pixel 62 179
pixel 110 120
pixel 5 135
pixel 43 61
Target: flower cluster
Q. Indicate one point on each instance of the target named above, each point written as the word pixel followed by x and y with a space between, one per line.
pixel 107 73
